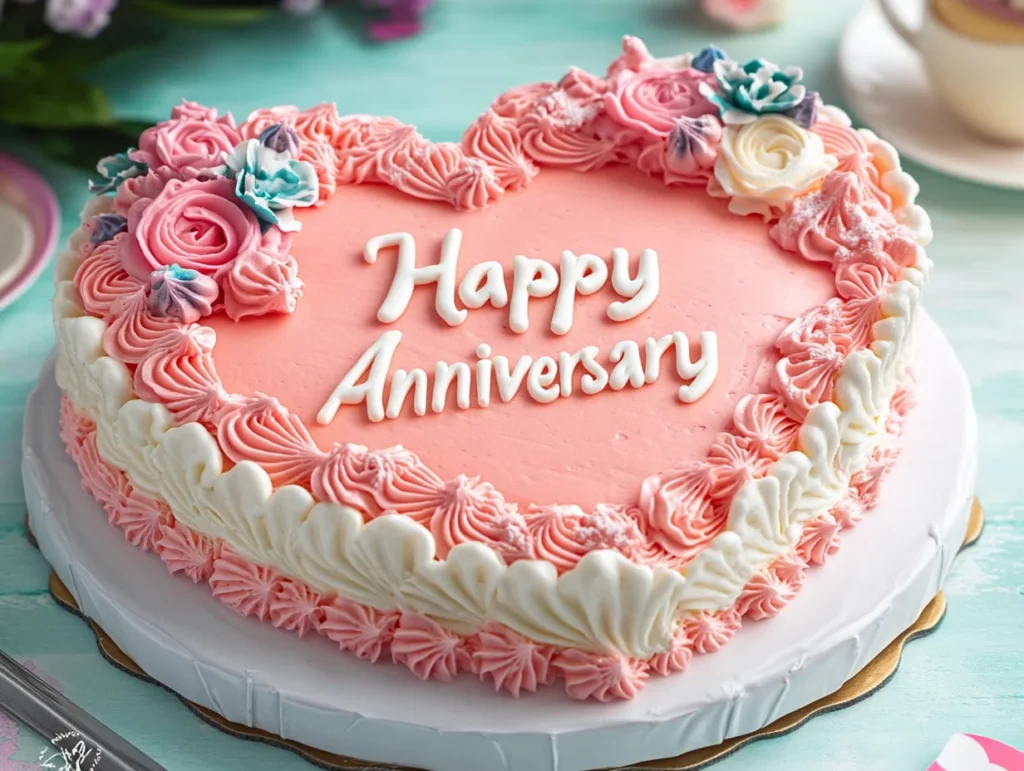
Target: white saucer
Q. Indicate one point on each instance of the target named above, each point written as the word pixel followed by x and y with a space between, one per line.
pixel 16 242
pixel 888 569
pixel 885 84
pixel 29 223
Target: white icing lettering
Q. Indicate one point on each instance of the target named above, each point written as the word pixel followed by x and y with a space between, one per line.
pixel 596 378
pixel 408 276
pixel 444 373
pixel 703 371
pixel 401 383
pixel 484 283
pixel 583 275
pixel 567 363
pixel 530 278
pixel 547 378
pixel 509 382
pixel 654 349
pixel 641 290
pixel 373 365
pixel 483 375
pixel 628 368
pixel 541 381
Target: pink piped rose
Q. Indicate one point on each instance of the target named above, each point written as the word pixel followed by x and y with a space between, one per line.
pixel 147 185
pixel 193 144
pixel 197 224
pixel 652 101
pixel 195 111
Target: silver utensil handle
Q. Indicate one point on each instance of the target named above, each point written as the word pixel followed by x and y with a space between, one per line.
pixel 49 713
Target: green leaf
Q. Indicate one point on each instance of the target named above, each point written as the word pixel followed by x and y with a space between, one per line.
pixel 74 55
pixel 54 103
pixel 83 147
pixel 14 55
pixel 201 14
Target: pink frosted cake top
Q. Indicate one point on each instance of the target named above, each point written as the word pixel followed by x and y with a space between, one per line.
pixel 718 273
pixel 471 370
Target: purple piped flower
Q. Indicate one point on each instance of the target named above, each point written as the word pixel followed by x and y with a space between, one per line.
pixel 281 138
pixel 806 113
pixel 106 226
pixel 693 146
pixel 182 294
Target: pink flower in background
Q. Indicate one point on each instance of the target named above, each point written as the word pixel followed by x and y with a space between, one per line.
pixel 403 18
pixel 968 752
pixel 747 14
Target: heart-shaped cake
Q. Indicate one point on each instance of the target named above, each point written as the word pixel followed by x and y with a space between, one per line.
pixel 569 400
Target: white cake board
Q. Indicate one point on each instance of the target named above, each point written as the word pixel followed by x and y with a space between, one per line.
pixel 886 572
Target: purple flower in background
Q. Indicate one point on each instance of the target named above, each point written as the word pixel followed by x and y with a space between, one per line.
pixel 403 18
pixel 80 17
pixel 301 7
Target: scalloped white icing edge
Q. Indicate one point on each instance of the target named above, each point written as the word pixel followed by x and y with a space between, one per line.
pixel 896 182
pixel 606 603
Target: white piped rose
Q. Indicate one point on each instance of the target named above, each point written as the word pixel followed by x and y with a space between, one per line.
pixel 764 165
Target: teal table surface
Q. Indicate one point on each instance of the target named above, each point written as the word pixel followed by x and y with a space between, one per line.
pixel 967 677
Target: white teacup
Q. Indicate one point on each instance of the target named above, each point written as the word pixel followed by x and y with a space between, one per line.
pixel 982 82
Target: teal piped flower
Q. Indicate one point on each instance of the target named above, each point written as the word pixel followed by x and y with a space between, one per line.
pixel 746 91
pixel 271 183
pixel 115 169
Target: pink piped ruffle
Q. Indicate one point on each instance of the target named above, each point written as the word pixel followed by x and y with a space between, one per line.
pixel 512 661
pixel 249 589
pixel 296 607
pixel 186 551
pixel 429 650
pixel 366 632
pixel 604 677
pixel 261 430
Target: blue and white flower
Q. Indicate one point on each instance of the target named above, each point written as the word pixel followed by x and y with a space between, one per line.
pixel 747 91
pixel 271 183
pixel 115 169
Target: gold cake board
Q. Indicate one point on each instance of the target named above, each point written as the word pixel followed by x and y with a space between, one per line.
pixel 872 677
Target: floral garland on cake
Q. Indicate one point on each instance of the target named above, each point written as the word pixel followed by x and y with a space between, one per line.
pixel 201 222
